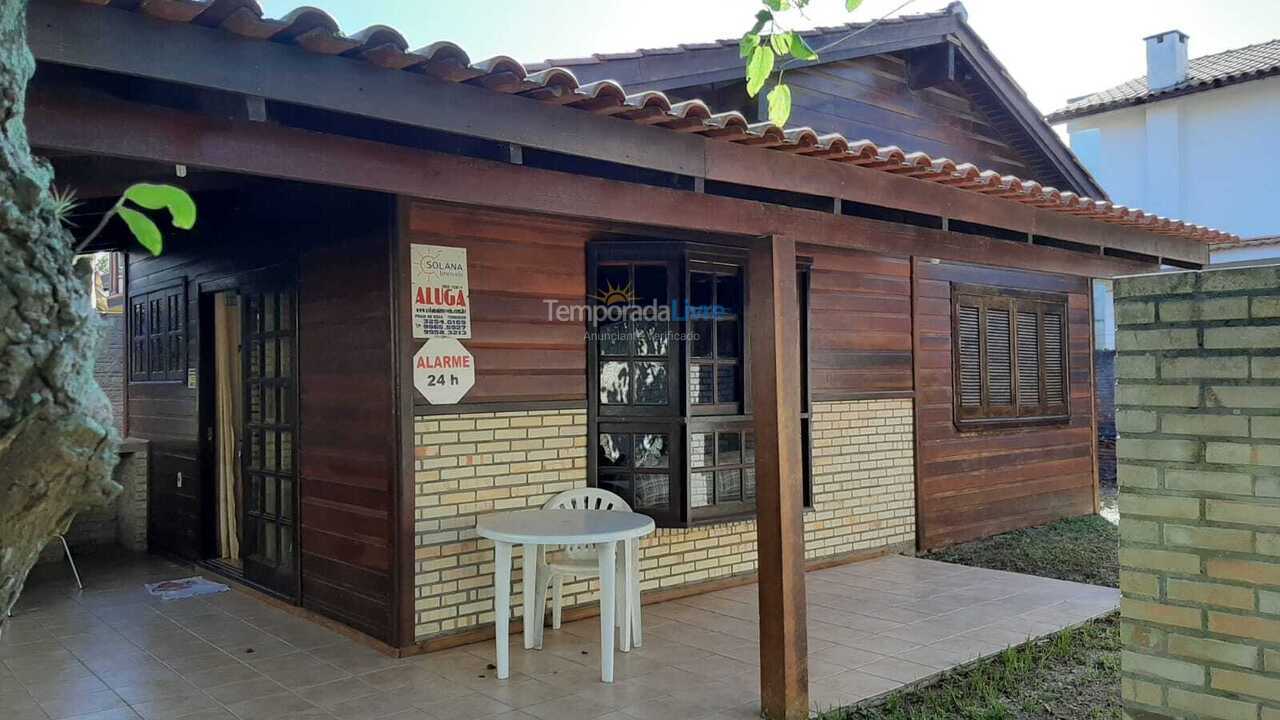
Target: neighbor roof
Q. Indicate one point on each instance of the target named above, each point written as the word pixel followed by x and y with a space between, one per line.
pixel 315 32
pixel 1251 62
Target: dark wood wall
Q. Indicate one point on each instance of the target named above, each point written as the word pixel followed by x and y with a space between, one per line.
pixel 167 412
pixel 348 454
pixel 860 323
pixel 868 98
pixel 869 313
pixel 336 244
pixel 515 263
pixel 973 484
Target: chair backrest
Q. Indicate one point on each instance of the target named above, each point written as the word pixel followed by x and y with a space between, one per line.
pixel 587 498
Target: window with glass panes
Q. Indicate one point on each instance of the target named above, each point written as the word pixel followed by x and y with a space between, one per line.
pixel 670 417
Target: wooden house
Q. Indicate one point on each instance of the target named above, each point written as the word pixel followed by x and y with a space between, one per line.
pixel 900 357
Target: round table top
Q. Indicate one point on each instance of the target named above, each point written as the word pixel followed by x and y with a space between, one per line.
pixel 563 527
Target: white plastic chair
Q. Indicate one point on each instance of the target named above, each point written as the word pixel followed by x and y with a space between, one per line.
pixel 581 561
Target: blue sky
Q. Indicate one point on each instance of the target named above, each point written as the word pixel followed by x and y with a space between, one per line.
pixel 1055 50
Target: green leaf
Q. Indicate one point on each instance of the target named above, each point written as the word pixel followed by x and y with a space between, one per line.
pixel 779 104
pixel 781 43
pixel 748 43
pixel 182 209
pixel 800 49
pixel 758 69
pixel 851 5
pixel 762 17
pixel 776 5
pixel 146 232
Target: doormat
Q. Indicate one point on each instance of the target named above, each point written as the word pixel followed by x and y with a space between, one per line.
pixel 185 588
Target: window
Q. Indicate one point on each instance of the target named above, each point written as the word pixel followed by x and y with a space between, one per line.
pixel 1010 356
pixel 157 335
pixel 670 416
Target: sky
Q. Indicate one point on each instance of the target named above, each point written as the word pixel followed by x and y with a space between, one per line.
pixel 1055 50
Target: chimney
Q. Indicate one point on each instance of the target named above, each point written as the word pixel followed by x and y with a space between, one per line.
pixel 1166 59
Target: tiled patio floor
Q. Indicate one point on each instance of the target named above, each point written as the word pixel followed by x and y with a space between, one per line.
pixel 113 653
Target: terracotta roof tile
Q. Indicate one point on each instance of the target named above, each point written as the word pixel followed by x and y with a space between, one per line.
pixel 316 32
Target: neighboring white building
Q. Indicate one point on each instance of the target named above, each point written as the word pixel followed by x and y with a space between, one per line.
pixel 1195 138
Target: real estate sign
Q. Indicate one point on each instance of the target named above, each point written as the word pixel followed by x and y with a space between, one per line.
pixel 441 294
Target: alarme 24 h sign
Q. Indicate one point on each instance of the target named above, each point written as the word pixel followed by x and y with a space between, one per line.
pixel 443 371
pixel 441 294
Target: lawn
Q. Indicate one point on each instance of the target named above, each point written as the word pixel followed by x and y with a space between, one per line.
pixel 1072 675
pixel 1084 549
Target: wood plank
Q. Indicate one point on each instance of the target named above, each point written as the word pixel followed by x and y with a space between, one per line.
pixel 977 482
pixel 775 314
pixel 124 130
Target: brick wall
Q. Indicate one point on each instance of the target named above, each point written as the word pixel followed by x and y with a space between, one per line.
pixel 123 523
pixel 477 463
pixel 1199 422
pixel 108 365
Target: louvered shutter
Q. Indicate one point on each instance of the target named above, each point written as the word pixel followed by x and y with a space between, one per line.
pixel 999 358
pixel 969 351
pixel 1010 355
pixel 1055 363
pixel 1028 359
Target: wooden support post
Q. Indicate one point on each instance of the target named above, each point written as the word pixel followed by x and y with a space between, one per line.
pixel 775 393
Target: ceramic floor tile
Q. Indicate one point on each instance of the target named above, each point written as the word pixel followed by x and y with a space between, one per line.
pixel 872 627
pixel 81 704
pixel 903 671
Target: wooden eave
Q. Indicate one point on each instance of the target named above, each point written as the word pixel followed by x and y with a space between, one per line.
pixel 74 34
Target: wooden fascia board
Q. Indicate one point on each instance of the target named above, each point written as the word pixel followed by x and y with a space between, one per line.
pixel 1026 114
pixel 135 131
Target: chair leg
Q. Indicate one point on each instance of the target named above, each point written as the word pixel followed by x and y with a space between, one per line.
pixel 557 589
pixel 74 571
pixel 634 600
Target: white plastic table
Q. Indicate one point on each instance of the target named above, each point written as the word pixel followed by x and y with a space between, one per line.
pixel 537 528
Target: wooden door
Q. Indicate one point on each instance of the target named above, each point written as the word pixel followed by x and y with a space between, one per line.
pixel 270 455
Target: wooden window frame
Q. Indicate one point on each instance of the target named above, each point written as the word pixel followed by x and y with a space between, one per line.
pixel 681 417
pixel 1013 302
pixel 158 334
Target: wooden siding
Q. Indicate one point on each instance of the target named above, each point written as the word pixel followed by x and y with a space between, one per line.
pixel 347 442
pixel 348 455
pixel 869 98
pixel 860 323
pixel 515 263
pixel 974 484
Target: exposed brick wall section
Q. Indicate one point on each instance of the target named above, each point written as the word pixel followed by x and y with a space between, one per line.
pixel 108 366
pixel 476 463
pixel 864 489
pixel 1199 421
pixel 123 523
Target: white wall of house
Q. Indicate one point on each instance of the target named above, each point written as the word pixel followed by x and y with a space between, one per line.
pixel 1208 157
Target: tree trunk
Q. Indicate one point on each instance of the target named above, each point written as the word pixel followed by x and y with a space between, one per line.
pixel 57 445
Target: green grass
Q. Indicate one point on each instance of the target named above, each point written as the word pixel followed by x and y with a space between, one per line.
pixel 1071 675
pixel 1083 549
